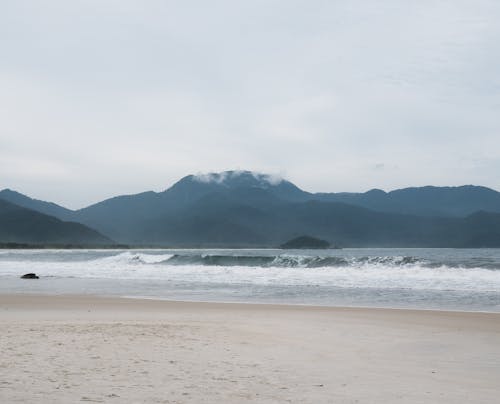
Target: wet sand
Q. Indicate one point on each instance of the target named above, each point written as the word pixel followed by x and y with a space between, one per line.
pixel 60 349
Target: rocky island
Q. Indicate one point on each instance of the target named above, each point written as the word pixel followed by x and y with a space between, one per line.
pixel 305 242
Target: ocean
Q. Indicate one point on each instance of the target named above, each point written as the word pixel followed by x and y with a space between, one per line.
pixel 442 279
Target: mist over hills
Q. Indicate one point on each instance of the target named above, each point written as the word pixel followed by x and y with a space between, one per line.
pixel 242 208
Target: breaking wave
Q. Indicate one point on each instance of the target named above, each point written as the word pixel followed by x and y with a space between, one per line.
pixel 286 261
pixel 139 258
pixel 443 271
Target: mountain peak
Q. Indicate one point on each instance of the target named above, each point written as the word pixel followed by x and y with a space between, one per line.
pixel 8 191
pixel 193 187
pixel 239 178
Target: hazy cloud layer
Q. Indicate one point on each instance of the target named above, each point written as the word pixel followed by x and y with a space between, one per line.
pixel 102 97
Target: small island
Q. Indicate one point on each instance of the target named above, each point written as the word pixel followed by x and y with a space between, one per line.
pixel 305 242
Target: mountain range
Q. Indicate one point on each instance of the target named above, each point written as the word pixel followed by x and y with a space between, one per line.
pixel 242 208
pixel 21 225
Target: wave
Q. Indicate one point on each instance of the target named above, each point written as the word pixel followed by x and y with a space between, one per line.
pixel 131 258
pixel 120 258
pixel 286 261
pixel 260 270
pixel 289 261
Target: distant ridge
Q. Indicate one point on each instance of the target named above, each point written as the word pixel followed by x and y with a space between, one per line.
pixel 26 226
pixel 425 201
pixel 47 208
pixel 243 208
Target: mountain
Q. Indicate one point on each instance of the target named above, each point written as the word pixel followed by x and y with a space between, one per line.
pixel 217 220
pixel 193 187
pixel 21 225
pixel 423 201
pixel 48 208
pixel 242 208
pixel 247 209
pixel 136 218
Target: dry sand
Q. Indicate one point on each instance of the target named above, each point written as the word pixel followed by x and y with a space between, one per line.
pixel 88 349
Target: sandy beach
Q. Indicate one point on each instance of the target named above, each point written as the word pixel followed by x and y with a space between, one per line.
pixel 60 349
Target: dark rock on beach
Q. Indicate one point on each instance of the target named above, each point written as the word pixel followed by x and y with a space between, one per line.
pixel 30 276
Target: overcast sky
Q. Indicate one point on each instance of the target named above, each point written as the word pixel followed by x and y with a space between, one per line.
pixel 99 98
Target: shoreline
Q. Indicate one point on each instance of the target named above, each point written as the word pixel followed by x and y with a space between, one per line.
pixel 34 302
pixel 295 304
pixel 93 296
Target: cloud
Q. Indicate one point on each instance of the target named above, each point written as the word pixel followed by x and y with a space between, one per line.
pixel 107 97
pixel 207 178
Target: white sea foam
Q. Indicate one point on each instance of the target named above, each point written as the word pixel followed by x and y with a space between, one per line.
pixel 128 257
pixel 394 272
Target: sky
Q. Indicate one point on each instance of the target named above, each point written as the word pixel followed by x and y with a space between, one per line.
pixel 106 97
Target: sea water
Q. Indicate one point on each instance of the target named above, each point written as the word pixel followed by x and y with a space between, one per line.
pixel 448 279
